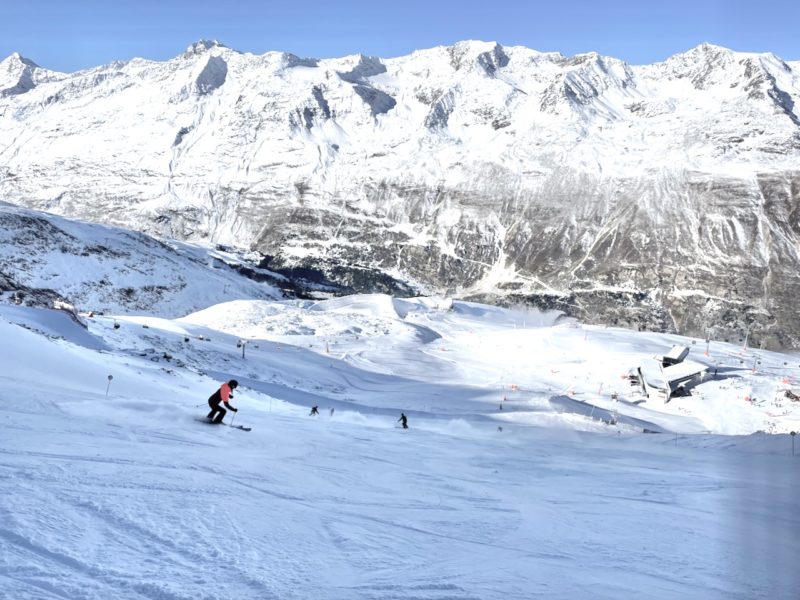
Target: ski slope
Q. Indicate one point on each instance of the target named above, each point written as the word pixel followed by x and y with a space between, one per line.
pixel 113 489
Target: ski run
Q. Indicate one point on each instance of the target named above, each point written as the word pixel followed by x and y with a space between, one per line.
pixel 525 471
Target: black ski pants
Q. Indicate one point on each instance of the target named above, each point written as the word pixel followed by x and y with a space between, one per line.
pixel 216 408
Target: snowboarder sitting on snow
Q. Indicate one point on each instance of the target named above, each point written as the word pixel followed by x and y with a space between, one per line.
pixel 223 394
pixel 314 411
pixel 403 420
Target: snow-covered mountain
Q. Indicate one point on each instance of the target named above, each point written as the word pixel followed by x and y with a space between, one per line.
pixel 662 196
pixel 96 268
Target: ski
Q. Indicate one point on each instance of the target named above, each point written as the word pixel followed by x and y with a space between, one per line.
pixel 207 422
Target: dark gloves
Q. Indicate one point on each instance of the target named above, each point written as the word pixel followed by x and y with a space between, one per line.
pixel 234 409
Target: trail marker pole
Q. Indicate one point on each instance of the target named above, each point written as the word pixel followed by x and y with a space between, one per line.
pixel 793 433
pixel 110 377
pixel 746 335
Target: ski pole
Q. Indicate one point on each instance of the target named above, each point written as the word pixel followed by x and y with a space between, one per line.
pixel 233 417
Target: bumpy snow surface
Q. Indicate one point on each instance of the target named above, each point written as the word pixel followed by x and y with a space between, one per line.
pixel 111 488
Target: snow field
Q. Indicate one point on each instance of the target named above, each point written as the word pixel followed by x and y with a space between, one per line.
pixel 128 496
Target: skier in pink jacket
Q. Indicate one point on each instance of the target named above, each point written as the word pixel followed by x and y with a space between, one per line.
pixel 222 395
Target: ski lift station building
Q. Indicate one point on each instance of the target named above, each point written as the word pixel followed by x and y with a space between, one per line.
pixel 662 376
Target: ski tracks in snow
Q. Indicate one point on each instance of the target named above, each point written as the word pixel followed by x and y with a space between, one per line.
pixel 88 529
pixel 128 561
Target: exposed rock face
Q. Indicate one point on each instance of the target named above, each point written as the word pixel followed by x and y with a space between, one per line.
pixel 664 196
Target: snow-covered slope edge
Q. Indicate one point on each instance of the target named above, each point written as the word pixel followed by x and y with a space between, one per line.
pixel 45 258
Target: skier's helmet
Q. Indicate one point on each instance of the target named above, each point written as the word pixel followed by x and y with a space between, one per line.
pixel 233 384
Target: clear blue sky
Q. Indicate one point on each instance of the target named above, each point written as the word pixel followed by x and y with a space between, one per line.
pixel 67 35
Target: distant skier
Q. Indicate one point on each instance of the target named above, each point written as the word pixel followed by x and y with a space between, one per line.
pixel 223 394
pixel 314 411
pixel 403 420
pixel 332 409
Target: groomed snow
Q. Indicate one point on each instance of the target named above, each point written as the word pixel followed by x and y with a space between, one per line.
pixel 113 489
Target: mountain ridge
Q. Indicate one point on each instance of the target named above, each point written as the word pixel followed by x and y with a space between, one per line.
pixel 474 169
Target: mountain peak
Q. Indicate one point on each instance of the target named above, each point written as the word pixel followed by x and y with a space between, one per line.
pixel 15 58
pixel 475 45
pixel 705 65
pixel 709 48
pixel 203 45
pixel 489 56
pixel 705 52
pixel 17 75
